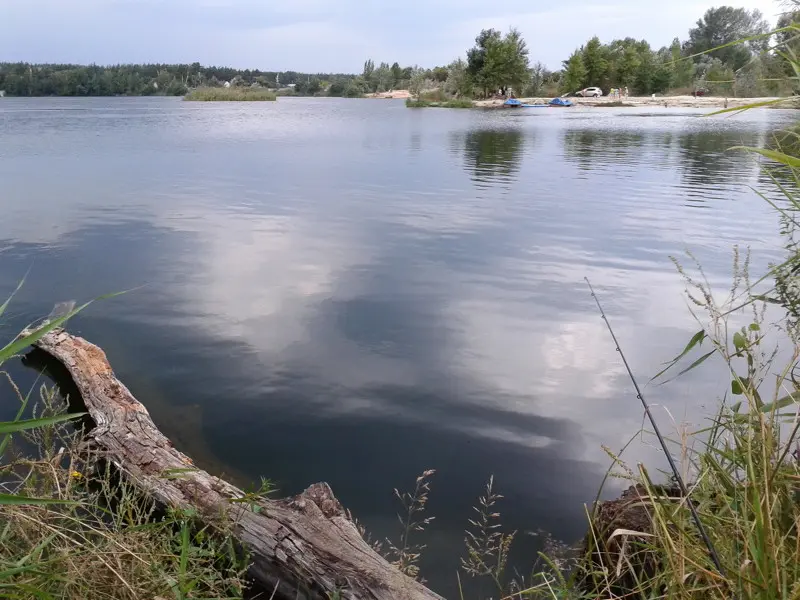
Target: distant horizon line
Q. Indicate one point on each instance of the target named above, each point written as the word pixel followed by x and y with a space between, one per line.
pixel 170 64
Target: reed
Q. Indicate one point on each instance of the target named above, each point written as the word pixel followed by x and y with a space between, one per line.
pixel 231 94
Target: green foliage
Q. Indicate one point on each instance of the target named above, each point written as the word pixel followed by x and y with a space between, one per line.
pixel 397 75
pixel 440 74
pixel 231 94
pixel 476 56
pixel 644 75
pixel 311 87
pixel 727 54
pixel 497 63
pixel 595 62
pixel 24 79
pixel 369 69
pixel 382 78
pixel 574 75
pixel 622 63
pixel 629 61
pixel 417 82
pixel 72 529
pixel 727 25
pixel 788 42
pixel 537 75
pixel 715 75
pixel 92 536
pixel 683 70
pixel 458 83
pixel 336 89
pixel 356 88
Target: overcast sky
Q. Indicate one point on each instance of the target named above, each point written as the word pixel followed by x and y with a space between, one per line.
pixel 325 35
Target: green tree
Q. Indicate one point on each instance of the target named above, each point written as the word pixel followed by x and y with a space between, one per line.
pixel 176 88
pixel 725 25
pixel 355 88
pixel 458 83
pixel 498 62
pixel 683 68
pixel 627 66
pixel 439 74
pixel 336 89
pixel 536 78
pixel 595 61
pixel 417 82
pixel 748 78
pixel 397 75
pixel 574 76
pixel 715 75
pixel 369 68
pixel 788 42
pixel 664 71
pixel 643 78
pixel 476 58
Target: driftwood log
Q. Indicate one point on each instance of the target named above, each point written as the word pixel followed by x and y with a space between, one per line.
pixel 305 547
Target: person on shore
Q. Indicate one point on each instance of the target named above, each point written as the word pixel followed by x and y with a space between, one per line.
pixel 626 91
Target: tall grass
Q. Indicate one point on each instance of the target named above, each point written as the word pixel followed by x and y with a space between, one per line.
pixel 742 464
pixel 231 94
pixel 71 529
pixel 94 536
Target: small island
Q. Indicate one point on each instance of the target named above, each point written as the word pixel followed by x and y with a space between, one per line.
pixel 230 94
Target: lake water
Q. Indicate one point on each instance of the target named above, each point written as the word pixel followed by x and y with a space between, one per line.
pixel 351 291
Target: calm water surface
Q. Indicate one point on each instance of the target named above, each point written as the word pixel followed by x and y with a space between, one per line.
pixel 353 292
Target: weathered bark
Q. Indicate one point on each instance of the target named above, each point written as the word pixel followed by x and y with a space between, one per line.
pixel 305 545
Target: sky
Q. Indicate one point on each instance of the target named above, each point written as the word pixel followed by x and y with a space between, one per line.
pixel 326 35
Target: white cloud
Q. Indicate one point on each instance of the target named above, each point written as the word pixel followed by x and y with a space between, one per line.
pixel 323 35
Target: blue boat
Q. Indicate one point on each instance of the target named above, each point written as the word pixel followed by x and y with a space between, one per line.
pixel 514 103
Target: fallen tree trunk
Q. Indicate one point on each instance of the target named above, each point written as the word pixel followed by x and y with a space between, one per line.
pixel 305 545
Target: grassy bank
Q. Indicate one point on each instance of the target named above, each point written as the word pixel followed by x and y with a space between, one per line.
pixel 231 94
pixel 91 536
pixel 73 529
pixel 439 104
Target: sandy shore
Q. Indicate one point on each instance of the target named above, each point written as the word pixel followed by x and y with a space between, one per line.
pixel 633 101
pixel 398 94
pixel 663 101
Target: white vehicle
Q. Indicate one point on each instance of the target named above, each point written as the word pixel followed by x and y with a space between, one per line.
pixel 590 92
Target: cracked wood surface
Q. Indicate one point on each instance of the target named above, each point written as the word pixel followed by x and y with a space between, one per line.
pixel 306 545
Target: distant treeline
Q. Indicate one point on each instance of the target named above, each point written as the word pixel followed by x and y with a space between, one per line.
pixel 24 79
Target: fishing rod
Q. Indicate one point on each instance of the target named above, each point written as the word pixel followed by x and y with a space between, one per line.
pixel 702 530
